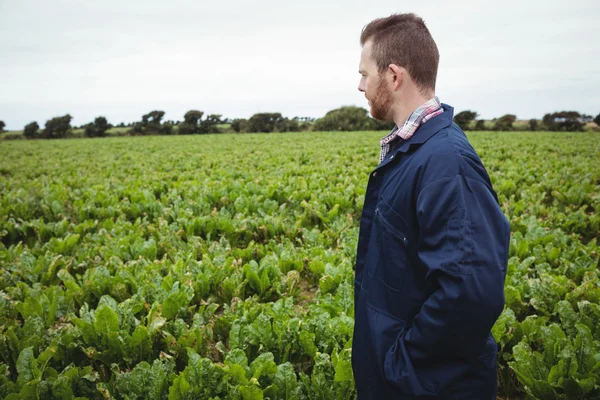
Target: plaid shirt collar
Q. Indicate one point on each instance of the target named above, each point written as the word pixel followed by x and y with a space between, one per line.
pixel 421 115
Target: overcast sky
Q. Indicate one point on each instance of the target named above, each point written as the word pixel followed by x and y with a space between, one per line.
pixel 122 59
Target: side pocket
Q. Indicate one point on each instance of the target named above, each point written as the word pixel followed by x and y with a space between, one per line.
pixel 384 331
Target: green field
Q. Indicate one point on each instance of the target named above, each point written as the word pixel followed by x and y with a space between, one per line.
pixel 221 266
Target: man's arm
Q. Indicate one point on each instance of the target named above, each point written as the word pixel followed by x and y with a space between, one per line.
pixel 463 239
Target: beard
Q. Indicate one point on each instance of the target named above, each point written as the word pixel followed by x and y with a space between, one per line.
pixel 381 104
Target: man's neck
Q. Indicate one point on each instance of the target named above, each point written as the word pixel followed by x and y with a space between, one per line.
pixel 405 110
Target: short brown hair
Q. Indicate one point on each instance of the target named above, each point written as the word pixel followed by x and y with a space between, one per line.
pixel 404 40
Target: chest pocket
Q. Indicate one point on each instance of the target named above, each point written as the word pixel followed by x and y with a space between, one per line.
pixel 388 262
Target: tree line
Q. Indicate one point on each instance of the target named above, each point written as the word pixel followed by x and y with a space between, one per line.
pixel 194 122
pixel 346 118
pixel 566 121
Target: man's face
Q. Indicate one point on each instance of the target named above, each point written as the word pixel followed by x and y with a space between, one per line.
pixel 374 86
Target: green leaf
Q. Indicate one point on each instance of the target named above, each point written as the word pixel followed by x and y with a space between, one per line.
pixel 144 381
pixel 141 344
pixel 524 365
pixel 27 367
pixel 236 333
pixel 263 365
pixel 586 349
pixel 149 250
pixel 106 320
pixel 327 283
pixel 343 366
pixel 170 307
pixel 31 307
pixel 557 373
pixel 178 297
pixel 87 331
pixel 261 331
pixel 6 385
pixel 184 385
pixel 322 376
pixel 587 384
pixel 47 355
pixel 236 356
pixel 61 388
pixel 532 371
pixel 307 341
pixel 253 279
pixel 286 382
pixel 532 324
pixel 568 317
pixel 251 393
pixel 238 373
pixel 513 298
pixel 505 321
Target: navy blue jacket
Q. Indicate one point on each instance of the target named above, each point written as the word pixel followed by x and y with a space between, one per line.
pixel 430 269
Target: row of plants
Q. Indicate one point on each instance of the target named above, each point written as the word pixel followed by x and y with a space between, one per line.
pixel 202 268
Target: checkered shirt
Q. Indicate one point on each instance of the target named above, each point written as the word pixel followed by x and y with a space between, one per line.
pixel 421 115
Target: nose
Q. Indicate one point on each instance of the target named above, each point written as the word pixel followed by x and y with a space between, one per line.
pixel 360 86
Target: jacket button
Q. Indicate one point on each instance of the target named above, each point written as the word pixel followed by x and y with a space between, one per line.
pixel 374 173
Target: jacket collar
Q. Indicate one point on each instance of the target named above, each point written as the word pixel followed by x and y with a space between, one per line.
pixel 423 133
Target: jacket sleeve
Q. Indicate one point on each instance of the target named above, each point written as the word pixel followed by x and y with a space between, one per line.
pixel 463 250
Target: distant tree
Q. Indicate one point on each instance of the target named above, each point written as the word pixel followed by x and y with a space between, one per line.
pixel 264 122
pixel 597 120
pixel 98 128
pixel 304 127
pixel 347 118
pixel 290 125
pixel 533 124
pixel 193 123
pixel 568 121
pixel 306 119
pixel 151 124
pixel 167 128
pixel 480 125
pixel 209 125
pixel 31 130
pixel 239 125
pixel 102 125
pixel 89 130
pixel 137 129
pixel 2 126
pixel 464 118
pixel 58 127
pixel 154 121
pixel 505 122
pixel 287 125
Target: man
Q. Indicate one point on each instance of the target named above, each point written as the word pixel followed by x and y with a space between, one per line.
pixel 433 243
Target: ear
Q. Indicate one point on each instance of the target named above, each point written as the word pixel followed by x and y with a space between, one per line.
pixel 396 74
